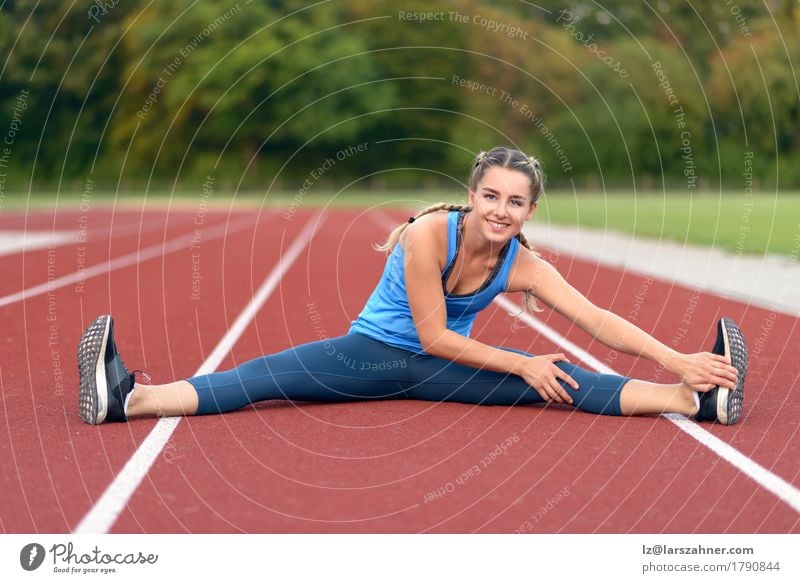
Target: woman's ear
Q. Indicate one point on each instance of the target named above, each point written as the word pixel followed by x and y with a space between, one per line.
pixel 533 210
pixel 471 198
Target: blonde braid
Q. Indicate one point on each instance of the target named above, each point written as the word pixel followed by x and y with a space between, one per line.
pixel 394 236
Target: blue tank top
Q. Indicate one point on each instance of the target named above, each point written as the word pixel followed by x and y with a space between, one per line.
pixel 387 316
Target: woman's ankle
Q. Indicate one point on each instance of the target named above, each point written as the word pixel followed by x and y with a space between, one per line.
pixel 173 399
pixel 136 402
pixel 139 401
pixel 692 400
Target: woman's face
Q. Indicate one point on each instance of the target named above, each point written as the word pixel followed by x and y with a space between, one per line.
pixel 501 203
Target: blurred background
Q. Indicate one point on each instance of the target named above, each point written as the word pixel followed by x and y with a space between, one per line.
pixel 138 97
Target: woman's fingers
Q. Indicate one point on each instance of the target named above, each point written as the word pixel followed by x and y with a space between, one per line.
pixel 564 394
pixel 560 395
pixel 713 370
pixel 723 381
pixel 724 363
pixel 719 357
pixel 546 393
pixel 558 390
pixel 548 390
pixel 713 376
pixel 722 375
pixel 567 379
pixel 549 382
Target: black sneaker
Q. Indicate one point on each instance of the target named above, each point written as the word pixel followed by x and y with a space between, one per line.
pixel 104 380
pixel 719 404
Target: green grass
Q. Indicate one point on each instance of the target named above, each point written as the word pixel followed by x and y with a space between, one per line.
pixel 760 223
pixel 314 199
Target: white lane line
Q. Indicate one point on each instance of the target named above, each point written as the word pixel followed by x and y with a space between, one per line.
pixel 13 242
pixel 758 473
pixel 104 513
pixel 137 226
pixel 132 258
pixel 16 241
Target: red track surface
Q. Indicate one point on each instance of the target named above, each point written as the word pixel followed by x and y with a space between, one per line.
pixel 361 467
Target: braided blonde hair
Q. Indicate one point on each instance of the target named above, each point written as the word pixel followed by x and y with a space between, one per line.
pixel 394 236
pixel 499 156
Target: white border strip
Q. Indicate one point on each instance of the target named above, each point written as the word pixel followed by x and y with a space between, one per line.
pixel 132 258
pixel 104 513
pixel 758 473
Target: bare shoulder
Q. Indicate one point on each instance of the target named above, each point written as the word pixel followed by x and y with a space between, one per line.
pixel 530 272
pixel 427 234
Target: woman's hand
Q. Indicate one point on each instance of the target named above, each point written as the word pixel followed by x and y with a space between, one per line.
pixel 704 370
pixel 542 374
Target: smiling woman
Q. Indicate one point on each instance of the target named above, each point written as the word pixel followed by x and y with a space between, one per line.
pixel 411 340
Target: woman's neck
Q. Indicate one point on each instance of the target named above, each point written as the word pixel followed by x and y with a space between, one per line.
pixel 474 244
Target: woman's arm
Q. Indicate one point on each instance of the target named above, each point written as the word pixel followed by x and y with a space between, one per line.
pixel 427 304
pixel 607 327
pixel 701 370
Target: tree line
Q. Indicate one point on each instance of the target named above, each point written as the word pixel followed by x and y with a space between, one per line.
pixel 135 94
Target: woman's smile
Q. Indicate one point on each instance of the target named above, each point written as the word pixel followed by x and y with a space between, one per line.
pixel 498 226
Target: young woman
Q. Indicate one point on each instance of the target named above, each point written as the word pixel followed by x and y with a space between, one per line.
pixel 412 338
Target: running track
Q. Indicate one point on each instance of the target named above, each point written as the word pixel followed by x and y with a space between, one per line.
pixel 392 466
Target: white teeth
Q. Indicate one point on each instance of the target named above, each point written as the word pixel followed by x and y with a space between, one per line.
pixel 498 225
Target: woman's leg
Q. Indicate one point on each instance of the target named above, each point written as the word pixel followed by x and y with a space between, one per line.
pixel 641 398
pixel 436 379
pixel 348 368
pixel 178 398
pixel 355 367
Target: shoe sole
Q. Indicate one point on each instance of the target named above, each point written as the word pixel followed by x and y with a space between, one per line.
pixel 92 371
pixel 729 402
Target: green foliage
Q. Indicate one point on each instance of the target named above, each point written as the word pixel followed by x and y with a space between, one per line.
pixel 70 72
pixel 166 93
pixel 636 125
pixel 238 82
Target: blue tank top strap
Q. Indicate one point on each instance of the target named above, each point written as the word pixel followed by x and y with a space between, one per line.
pixel 502 277
pixel 452 236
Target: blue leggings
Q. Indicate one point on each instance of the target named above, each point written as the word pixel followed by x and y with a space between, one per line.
pixel 355 367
